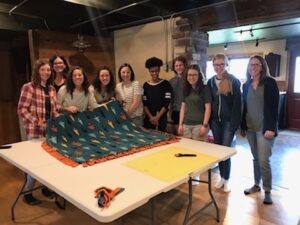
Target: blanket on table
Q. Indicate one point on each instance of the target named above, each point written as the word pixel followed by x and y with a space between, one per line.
pixel 92 137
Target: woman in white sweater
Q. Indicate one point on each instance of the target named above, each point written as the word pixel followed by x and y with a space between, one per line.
pixel 75 96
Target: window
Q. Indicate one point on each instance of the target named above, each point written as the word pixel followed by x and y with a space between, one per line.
pixel 297 76
pixel 237 67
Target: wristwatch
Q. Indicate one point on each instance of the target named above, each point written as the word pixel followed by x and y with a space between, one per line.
pixel 205 125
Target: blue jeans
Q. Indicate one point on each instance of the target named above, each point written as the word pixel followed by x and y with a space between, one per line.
pixel 138 120
pixel 223 135
pixel 261 149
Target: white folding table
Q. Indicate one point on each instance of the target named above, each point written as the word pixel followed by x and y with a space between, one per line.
pixel 77 185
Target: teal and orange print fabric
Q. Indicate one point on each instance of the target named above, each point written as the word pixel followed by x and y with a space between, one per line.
pixel 92 137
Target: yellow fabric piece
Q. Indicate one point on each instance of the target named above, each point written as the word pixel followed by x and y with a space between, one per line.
pixel 164 166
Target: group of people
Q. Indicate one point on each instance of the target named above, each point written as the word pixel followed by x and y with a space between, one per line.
pixel 195 106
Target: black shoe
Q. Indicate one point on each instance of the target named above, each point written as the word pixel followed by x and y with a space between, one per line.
pixel 47 193
pixel 252 190
pixel 268 199
pixel 30 200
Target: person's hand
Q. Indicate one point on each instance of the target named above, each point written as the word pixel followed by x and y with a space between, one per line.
pixel 42 123
pixel 243 133
pixel 203 131
pixel 154 120
pixel 180 130
pixel 269 134
pixel 72 109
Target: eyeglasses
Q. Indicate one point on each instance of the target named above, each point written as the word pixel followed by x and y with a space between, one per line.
pixel 254 65
pixel 219 65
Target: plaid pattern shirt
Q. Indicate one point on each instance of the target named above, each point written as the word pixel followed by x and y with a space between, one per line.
pixel 31 108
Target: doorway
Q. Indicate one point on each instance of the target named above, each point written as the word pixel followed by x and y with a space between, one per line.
pixel 293 94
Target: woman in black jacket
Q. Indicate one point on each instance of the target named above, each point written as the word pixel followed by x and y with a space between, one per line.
pixel 259 121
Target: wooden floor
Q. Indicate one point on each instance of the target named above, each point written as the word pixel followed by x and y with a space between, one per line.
pixel 235 207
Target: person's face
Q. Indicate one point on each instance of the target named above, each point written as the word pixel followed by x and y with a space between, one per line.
pixel 58 65
pixel 219 66
pixel 254 67
pixel 77 77
pixel 45 72
pixel 179 67
pixel 154 72
pixel 104 77
pixel 125 74
pixel 192 77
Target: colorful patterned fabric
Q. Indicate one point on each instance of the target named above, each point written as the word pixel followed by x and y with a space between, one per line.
pixel 92 137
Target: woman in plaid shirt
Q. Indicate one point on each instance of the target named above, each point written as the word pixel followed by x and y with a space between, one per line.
pixel 37 103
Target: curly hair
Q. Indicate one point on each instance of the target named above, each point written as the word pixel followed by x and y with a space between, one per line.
pixel 153 62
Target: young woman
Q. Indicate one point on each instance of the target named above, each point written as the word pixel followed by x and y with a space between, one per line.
pixel 130 92
pixel 60 70
pixel 259 121
pixel 37 103
pixel 177 83
pixel 157 97
pixel 75 96
pixel 196 106
pixel 226 112
pixel 103 86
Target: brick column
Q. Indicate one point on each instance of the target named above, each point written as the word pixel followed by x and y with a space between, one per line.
pixel 190 43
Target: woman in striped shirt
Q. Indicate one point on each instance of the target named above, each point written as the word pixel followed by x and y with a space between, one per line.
pixel 130 92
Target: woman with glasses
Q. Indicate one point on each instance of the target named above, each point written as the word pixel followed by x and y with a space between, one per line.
pixel 196 106
pixel 60 70
pixel 226 112
pixel 157 97
pixel 259 122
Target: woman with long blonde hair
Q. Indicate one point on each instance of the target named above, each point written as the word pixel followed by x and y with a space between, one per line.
pixel 226 112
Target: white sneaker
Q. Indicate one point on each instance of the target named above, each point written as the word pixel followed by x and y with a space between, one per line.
pixel 220 183
pixel 196 182
pixel 226 186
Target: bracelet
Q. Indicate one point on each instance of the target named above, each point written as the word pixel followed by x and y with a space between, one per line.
pixel 205 125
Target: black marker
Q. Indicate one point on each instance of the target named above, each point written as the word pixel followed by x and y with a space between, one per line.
pixel 5 146
pixel 185 155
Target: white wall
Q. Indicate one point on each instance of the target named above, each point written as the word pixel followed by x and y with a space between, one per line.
pixel 136 44
pixel 277 47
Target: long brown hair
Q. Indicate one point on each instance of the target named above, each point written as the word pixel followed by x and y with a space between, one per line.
pixel 264 69
pixel 187 86
pixel 36 78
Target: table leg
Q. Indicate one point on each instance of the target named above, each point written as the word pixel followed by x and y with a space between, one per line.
pixel 58 203
pixel 187 217
pixel 188 210
pixel 153 212
pixel 18 196
pixel 212 197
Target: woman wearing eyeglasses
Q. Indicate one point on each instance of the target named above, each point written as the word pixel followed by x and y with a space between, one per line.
pixel 259 122
pixel 226 112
